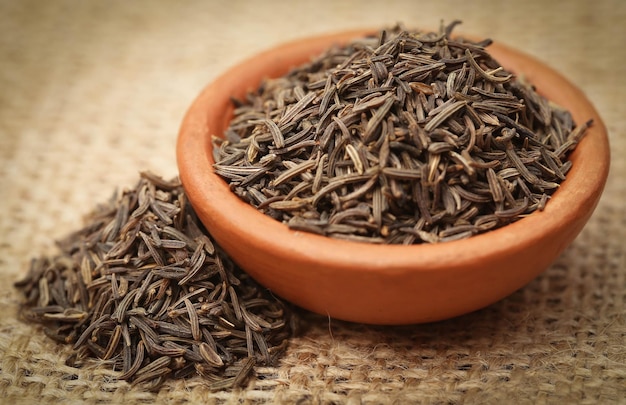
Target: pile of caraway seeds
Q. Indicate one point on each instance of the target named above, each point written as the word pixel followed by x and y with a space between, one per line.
pixel 144 286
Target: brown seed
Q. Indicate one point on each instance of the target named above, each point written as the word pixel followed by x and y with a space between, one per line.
pixel 193 320
pixel 209 355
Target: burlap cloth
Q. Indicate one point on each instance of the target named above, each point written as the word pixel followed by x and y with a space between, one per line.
pixel 93 92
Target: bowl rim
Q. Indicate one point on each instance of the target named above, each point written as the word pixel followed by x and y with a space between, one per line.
pixel 212 199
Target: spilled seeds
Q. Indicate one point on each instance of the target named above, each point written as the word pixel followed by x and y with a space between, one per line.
pixel 143 286
pixel 404 137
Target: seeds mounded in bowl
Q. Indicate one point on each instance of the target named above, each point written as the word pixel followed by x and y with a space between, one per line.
pixel 401 138
pixel 386 283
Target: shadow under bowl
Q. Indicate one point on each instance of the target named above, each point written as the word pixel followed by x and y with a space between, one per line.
pixel 385 284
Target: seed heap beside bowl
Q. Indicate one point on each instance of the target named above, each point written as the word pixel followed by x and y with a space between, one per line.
pixel 386 284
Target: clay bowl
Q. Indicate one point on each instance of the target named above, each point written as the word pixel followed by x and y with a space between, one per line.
pixel 380 284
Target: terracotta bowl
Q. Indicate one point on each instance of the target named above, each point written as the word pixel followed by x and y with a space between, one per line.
pixel 381 284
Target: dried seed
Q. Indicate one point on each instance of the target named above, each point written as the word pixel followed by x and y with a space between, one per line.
pixel 376 119
pixel 494 185
pixel 193 320
pixel 210 355
pixel 514 211
pixel 444 114
pixel 293 171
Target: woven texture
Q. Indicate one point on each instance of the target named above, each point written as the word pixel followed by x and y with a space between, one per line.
pixel 93 92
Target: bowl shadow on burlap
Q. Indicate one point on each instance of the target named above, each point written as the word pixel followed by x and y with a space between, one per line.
pixel 508 334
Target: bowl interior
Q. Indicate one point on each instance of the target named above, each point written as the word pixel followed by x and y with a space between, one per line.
pixel 310 270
